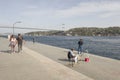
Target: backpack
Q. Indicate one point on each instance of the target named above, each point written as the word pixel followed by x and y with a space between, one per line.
pixel 69 55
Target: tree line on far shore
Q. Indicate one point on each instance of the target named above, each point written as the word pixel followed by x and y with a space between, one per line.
pixel 84 31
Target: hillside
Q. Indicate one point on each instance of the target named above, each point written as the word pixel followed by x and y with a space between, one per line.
pixel 92 31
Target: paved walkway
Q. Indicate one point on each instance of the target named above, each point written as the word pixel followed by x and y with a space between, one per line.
pixel 99 68
pixel 29 65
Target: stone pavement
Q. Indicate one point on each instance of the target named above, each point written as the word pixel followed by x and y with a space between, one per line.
pixel 99 68
pixel 29 65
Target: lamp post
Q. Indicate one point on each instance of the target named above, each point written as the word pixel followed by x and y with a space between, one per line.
pixel 14 25
pixel 63 27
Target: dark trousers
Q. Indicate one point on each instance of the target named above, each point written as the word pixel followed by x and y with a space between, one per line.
pixel 19 47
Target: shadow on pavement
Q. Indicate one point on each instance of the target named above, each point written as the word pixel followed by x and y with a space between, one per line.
pixel 64 60
pixel 5 51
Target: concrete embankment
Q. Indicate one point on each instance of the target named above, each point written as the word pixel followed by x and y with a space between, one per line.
pixel 30 65
pixel 99 68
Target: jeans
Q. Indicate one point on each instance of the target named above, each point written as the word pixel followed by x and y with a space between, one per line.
pixel 79 49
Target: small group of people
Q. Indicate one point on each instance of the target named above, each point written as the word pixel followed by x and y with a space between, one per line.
pixel 14 41
pixel 72 56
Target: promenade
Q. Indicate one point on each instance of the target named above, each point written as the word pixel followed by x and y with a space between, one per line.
pixel 31 65
pixel 99 68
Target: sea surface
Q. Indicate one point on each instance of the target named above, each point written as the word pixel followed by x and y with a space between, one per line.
pixel 102 46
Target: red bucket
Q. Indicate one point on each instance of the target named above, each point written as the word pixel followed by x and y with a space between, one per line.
pixel 87 59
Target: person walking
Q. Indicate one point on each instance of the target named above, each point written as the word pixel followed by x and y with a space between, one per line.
pixel 33 40
pixel 13 43
pixel 80 43
pixel 20 42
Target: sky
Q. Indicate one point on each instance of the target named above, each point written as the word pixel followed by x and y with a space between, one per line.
pixel 52 14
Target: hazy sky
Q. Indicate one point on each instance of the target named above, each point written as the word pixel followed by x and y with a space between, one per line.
pixel 51 14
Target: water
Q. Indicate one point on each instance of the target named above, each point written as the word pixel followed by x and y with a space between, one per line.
pixel 103 46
